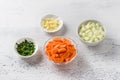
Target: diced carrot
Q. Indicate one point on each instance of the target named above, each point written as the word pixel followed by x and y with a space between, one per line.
pixel 57 55
pixel 61 54
pixel 49 54
pixel 47 51
pixel 57 39
pixel 54 50
pixel 63 46
pixel 66 54
pixel 67 59
pixel 59 60
pixel 61 50
pixel 53 55
pixel 56 46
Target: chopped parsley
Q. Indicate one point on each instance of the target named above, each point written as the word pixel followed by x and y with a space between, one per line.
pixel 25 48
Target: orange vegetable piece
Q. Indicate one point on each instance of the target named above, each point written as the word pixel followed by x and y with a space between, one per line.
pixel 57 39
pixel 61 50
pixel 67 59
pixel 63 46
pixel 54 50
pixel 66 54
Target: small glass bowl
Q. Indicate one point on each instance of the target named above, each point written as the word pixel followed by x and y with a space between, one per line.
pixel 63 63
pixel 52 16
pixel 28 39
pixel 91 43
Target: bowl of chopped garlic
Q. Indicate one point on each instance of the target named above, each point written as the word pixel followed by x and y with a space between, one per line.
pixel 51 23
pixel 91 32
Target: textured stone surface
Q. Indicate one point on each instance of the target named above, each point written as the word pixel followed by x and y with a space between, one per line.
pixel 21 18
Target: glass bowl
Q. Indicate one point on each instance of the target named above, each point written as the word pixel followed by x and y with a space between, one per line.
pixel 61 63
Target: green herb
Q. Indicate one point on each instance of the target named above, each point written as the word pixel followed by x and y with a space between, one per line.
pixel 25 48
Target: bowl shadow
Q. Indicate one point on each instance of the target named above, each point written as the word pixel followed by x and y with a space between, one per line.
pixel 78 66
pixel 105 48
pixel 34 60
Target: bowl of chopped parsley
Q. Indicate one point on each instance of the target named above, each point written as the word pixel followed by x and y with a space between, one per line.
pixel 26 47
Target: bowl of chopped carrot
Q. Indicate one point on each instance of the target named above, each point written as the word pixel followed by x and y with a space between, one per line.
pixel 60 50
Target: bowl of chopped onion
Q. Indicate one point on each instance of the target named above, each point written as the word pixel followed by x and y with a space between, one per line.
pixel 91 32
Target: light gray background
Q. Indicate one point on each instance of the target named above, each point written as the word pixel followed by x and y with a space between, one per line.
pixel 21 18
